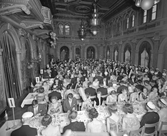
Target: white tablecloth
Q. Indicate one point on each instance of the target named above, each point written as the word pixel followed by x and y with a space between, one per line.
pixel 28 100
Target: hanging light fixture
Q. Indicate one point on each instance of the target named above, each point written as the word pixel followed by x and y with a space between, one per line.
pixel 82 31
pixel 146 4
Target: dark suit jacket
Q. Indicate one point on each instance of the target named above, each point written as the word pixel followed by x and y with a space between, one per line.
pixel 24 130
pixel 102 90
pixel 75 126
pixel 42 108
pixel 149 118
pixel 66 104
pixel 91 91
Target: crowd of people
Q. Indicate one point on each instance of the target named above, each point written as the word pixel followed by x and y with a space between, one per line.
pixel 85 84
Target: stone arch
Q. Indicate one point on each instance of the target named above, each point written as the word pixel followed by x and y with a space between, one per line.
pixel 7 27
pixel 161 55
pixel 94 48
pixel 69 47
pixel 129 44
pixel 138 47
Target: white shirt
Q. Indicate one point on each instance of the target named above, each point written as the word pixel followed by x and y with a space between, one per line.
pixel 36 110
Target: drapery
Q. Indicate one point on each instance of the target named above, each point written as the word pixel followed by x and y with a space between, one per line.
pixel 10 68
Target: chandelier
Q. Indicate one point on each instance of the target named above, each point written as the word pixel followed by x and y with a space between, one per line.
pixel 146 4
pixel 92 27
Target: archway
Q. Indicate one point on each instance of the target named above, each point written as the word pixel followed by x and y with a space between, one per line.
pixel 64 53
pixel 115 54
pixel 144 54
pixel 127 53
pixel 108 53
pixel 77 53
pixel 90 52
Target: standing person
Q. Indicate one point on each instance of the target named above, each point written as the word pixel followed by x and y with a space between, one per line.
pixel 25 129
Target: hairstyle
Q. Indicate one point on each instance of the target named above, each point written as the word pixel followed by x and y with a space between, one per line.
pixel 110 84
pixel 46 120
pixel 128 108
pixel 93 113
pixel 34 102
pixel 68 86
pixel 112 108
pixel 70 95
pixel 53 97
pixel 72 115
pixel 41 90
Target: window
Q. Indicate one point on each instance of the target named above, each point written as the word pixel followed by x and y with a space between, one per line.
pixel 127 24
pixel 145 16
pixel 154 12
pixel 67 30
pixel 133 20
pixel 61 29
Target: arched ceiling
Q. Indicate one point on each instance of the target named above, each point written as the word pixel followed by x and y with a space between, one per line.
pixel 84 8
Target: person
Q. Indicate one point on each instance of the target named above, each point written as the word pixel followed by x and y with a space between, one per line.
pixel 37 108
pixel 74 124
pixel 130 121
pixel 112 98
pixel 70 103
pixel 51 129
pixel 123 96
pixel 149 117
pixel 95 126
pixel 25 129
pixel 55 106
pixel 162 103
pixel 114 119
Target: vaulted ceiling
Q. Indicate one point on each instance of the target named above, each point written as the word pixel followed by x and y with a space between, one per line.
pixel 84 8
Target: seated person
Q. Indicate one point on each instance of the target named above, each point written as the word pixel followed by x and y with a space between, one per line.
pixel 41 95
pixel 95 126
pixel 143 95
pixel 38 108
pixel 162 103
pixel 51 129
pixel 134 97
pixel 112 98
pixel 87 104
pixel 70 103
pixel 114 119
pixel 25 129
pixel 55 93
pixel 150 117
pixel 123 97
pixel 74 124
pixel 54 106
pixel 153 95
pixel 130 121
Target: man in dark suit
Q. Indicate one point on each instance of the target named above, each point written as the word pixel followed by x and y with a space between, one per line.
pixel 38 108
pixel 103 92
pixel 150 117
pixel 70 103
pixel 74 124
pixel 25 129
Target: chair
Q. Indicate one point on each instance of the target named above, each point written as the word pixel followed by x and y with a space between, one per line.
pixel 161 131
pixel 154 125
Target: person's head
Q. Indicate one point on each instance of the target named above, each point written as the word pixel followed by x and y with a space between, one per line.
pixel 110 84
pixel 34 103
pixel 93 113
pixel 70 96
pixel 155 89
pixel 145 91
pixel 41 90
pixel 53 99
pixel 73 115
pixel 46 120
pixel 112 108
pixel 128 108
pixel 162 103
pixel 150 106
pixel 26 117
